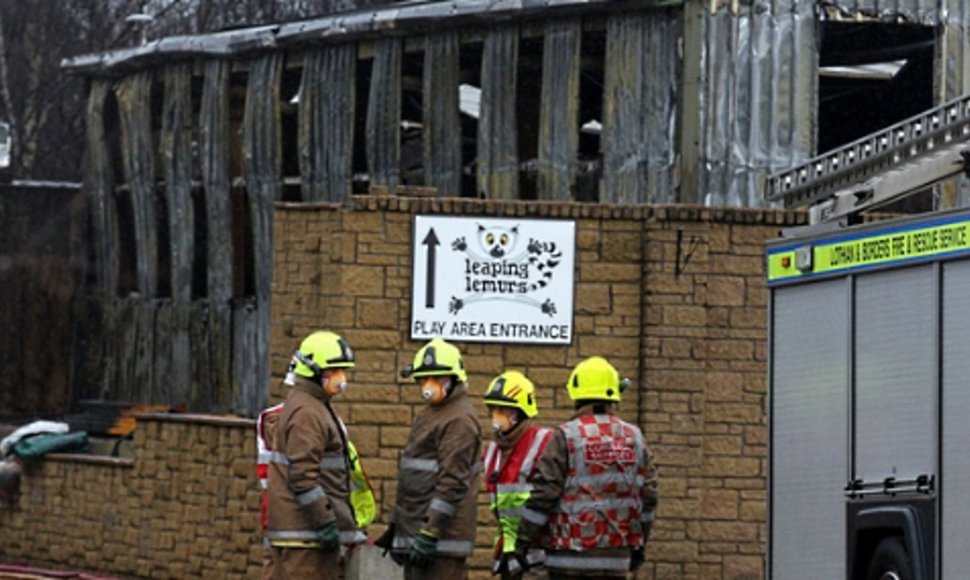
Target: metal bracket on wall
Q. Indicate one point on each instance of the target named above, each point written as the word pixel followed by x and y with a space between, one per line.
pixel 685 254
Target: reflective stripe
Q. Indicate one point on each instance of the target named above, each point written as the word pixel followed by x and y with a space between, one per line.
pixel 518 512
pixel 609 477
pixel 440 505
pixel 646 516
pixel 514 566
pixel 416 464
pixel 490 452
pixel 277 457
pixel 311 496
pixel 513 487
pixel 534 516
pixel 535 557
pixel 291 535
pixel 295 544
pixel 354 537
pixel 542 435
pixel 587 563
pixel 263 483
pixel 599 505
pixel 263 457
pixel 332 463
pixel 444 546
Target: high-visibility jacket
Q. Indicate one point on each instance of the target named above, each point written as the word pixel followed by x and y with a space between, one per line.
pixel 509 488
pixel 265 425
pixel 601 505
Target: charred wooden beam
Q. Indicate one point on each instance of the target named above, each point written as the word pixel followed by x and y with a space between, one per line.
pixel 384 114
pixel 559 118
pixel 442 127
pixel 498 157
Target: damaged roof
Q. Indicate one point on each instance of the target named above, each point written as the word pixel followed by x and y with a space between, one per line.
pixel 400 18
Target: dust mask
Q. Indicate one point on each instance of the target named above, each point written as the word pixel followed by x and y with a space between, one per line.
pixel 434 389
pixel 334 382
pixel 504 420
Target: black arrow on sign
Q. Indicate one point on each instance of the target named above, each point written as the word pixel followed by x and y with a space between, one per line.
pixel 431 241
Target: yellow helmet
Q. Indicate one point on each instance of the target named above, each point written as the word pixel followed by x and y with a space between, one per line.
pixel 322 350
pixel 513 389
pixel 437 358
pixel 595 379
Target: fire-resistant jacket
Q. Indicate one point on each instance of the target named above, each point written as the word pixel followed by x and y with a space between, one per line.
pixel 309 481
pixel 595 490
pixel 509 467
pixel 437 484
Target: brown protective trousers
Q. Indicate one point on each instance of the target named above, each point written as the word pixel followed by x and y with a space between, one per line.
pixel 306 563
pixel 441 569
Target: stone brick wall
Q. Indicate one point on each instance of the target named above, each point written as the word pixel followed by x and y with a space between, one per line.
pixel 674 296
pixel 187 506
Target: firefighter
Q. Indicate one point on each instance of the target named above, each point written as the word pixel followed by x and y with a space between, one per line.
pixel 265 429
pixel 432 527
pixel 310 515
pixel 595 491
pixel 509 462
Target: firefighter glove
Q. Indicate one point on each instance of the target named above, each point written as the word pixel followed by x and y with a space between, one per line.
pixel 386 539
pixel 636 559
pixel 513 566
pixel 329 537
pixel 423 549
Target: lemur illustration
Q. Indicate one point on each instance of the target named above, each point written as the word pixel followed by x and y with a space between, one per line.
pixel 496 243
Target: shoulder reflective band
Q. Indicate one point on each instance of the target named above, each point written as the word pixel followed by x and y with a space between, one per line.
pixel 332 462
pixel 445 546
pixel 534 516
pixel 555 560
pixel 902 243
pixel 416 464
pixel 646 517
pixel 291 535
pixel 354 537
pixel 277 457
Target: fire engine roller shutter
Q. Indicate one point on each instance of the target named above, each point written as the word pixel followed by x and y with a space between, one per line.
pixel 810 429
pixel 955 485
pixel 896 366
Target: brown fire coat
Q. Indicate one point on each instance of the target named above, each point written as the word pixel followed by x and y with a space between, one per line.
pixel 437 484
pixel 309 482
pixel 548 482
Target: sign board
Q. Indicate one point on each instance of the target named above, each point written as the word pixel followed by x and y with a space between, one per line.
pixel 493 279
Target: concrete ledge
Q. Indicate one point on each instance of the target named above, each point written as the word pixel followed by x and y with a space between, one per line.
pixel 198 419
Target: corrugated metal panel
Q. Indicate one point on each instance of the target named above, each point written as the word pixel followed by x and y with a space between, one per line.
pixel 955 470
pixel 895 419
pixel 559 117
pixel 441 141
pixel 809 412
pixel 758 97
pixel 326 127
pixel 384 114
pixel 638 107
pixel 498 150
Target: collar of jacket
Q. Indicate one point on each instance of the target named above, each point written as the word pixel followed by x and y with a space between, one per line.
pixel 510 441
pixel 311 388
pixel 588 409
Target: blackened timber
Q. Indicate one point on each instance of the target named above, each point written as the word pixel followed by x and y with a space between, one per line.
pixel 326 122
pixel 261 142
pixel 622 140
pixel 384 114
pixel 172 341
pixel 559 118
pixel 442 127
pixel 659 107
pixel 498 158
pixel 250 393
pixel 210 335
pixel 134 105
pixel 98 186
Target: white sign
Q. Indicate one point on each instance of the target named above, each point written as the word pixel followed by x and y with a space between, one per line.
pixel 493 280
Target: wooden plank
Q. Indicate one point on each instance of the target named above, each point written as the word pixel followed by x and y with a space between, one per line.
pixel 559 117
pixel 622 140
pixel 260 124
pixel 442 126
pixel 211 350
pixel 498 157
pixel 200 385
pixel 88 347
pixel 326 122
pixel 142 381
pixel 98 186
pixel 161 361
pixel 180 367
pixel 220 385
pixel 384 114
pixel 124 330
pixel 176 154
pixel 250 394
pixel 134 105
